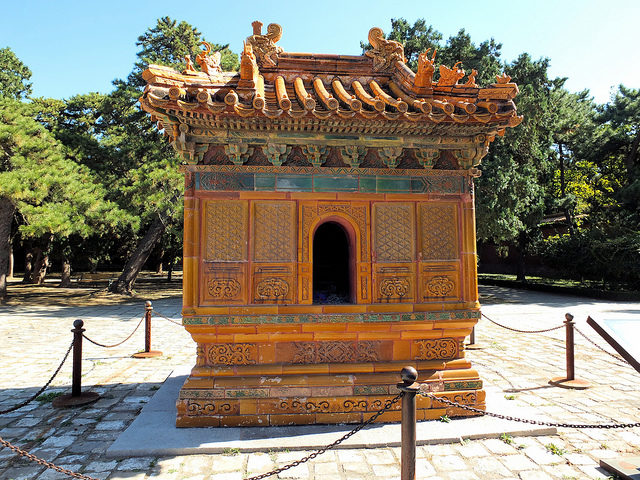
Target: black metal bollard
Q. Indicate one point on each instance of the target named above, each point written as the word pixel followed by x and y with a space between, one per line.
pixel 148 353
pixel 410 388
pixel 570 381
pixel 77 397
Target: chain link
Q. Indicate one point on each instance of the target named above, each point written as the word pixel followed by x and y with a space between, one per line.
pixel 620 359
pixel 33 458
pixel 167 318
pixel 524 331
pixel 387 405
pixel 115 344
pixel 526 420
pixel 37 394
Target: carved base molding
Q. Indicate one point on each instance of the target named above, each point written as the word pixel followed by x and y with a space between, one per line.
pixel 351 396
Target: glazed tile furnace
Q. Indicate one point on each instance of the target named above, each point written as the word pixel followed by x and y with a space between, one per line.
pixel 329 231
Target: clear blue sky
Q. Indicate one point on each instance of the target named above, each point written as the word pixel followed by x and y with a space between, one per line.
pixel 81 46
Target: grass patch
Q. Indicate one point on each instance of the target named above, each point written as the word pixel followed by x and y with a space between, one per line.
pixel 554 449
pixel 48 397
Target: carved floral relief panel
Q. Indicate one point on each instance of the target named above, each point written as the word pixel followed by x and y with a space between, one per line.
pixel 438 231
pixel 274 230
pixel 394 283
pixel 274 283
pixel 394 232
pixel 223 283
pixel 225 230
pixel 439 281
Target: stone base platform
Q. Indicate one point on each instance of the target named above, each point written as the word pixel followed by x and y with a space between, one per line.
pixel 304 396
pixel 153 431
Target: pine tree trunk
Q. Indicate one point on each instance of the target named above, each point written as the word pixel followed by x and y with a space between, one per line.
pixel 124 283
pixel 11 263
pixel 169 270
pixel 40 265
pixel 521 267
pixel 28 266
pixel 159 269
pixel 65 280
pixel 7 210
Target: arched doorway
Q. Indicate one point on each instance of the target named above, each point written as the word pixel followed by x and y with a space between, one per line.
pixel 331 265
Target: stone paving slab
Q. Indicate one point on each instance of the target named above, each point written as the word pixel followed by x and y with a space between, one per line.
pixel 153 432
pixel 515 369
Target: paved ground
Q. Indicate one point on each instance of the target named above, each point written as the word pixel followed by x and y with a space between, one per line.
pixel 519 365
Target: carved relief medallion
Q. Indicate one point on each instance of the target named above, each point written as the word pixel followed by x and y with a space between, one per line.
pixel 440 286
pixel 231 354
pixel 223 288
pixel 197 408
pixel 437 349
pixel 394 287
pixel 271 288
pixel 335 352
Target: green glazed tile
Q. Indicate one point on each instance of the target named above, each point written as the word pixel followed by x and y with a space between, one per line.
pixel 393 185
pixel 368 184
pixel 326 183
pixel 294 183
pixel 265 182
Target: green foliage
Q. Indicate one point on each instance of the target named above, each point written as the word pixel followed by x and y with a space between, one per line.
pixel 168 43
pixel 506 438
pixel 554 449
pixel 611 255
pixel 48 397
pixel 53 194
pixel 14 76
pixel 419 37
pixel 511 192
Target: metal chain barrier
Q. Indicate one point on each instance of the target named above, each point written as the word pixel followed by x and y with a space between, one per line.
pixel 620 359
pixel 46 385
pixel 523 331
pixel 166 318
pixel 40 461
pixel 526 420
pixel 115 344
pixel 387 405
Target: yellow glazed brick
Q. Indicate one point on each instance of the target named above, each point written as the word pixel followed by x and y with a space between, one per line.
pixel 345 336
pixel 305 369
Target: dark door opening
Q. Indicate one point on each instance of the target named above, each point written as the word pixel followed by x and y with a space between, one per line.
pixel 331 276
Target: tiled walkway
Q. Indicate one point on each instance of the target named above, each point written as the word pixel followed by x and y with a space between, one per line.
pixel 518 365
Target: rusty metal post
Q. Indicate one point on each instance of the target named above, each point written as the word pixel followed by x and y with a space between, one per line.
pixel 76 379
pixel 410 388
pixel 77 397
pixel 570 381
pixel 570 346
pixel 148 353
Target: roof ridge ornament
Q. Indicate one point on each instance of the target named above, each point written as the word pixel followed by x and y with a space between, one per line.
pixel 385 53
pixel 426 69
pixel 209 62
pixel 264 46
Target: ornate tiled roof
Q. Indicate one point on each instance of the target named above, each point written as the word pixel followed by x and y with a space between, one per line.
pixel 372 94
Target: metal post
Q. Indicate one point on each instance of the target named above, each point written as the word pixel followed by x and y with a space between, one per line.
pixel 147 326
pixel 410 388
pixel 77 397
pixel 148 353
pixel 76 382
pixel 569 323
pixel 570 381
